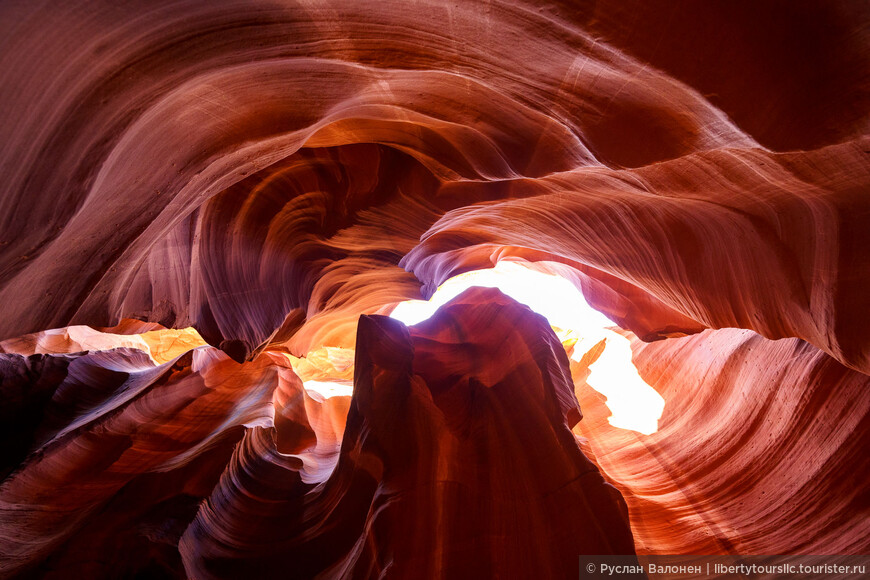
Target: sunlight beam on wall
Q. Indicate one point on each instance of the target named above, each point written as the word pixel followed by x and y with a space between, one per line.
pixel 634 404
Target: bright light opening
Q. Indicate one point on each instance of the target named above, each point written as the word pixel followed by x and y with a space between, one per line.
pixel 633 403
pixel 322 390
pixel 162 345
pixel 326 372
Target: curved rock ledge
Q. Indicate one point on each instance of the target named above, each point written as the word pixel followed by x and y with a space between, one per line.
pixel 201 199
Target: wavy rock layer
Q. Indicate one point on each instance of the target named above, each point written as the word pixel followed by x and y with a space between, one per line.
pixel 266 172
pixel 761 448
pixel 113 444
pixel 751 456
pixel 248 168
pixel 440 437
pixel 442 456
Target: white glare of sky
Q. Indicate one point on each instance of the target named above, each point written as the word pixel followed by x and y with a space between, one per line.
pixel 634 404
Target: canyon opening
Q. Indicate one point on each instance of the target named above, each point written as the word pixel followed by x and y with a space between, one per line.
pixel 633 404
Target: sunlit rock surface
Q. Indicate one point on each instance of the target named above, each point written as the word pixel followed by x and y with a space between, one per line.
pixel 225 166
pixel 255 176
pixel 161 344
pixel 761 448
pixel 113 449
pixel 447 446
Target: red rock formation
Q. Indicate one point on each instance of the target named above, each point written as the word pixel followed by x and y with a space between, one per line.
pixel 761 448
pixel 267 172
pixel 457 427
pixel 111 432
pixel 237 233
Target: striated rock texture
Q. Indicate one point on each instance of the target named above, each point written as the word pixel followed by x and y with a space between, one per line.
pixel 245 167
pixel 446 448
pixel 111 453
pixel 762 448
pixel 255 175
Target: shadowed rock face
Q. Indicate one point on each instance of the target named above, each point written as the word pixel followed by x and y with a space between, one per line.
pixel 442 457
pixel 267 172
pixel 446 447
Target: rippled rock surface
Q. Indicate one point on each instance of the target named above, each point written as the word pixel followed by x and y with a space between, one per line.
pixel 199 195
pixel 454 460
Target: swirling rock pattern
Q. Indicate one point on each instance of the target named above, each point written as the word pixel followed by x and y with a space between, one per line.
pixel 761 448
pixel 264 173
pixel 297 173
pixel 438 442
pixel 108 423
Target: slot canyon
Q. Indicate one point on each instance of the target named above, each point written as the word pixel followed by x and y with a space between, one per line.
pixel 214 213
